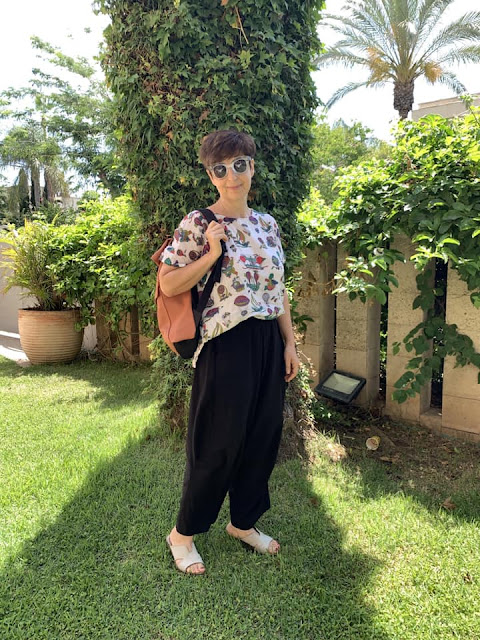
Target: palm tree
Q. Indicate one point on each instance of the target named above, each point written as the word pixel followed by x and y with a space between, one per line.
pixel 399 41
pixel 31 149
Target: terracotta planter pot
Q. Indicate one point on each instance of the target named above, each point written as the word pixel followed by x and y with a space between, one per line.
pixel 49 336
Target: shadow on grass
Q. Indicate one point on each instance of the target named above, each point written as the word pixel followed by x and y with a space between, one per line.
pixel 440 473
pixel 101 385
pixel 461 500
pixel 102 569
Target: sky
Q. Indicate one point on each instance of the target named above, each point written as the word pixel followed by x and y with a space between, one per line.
pixel 63 24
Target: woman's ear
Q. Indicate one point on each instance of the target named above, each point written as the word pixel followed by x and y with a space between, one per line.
pixel 252 167
pixel 210 175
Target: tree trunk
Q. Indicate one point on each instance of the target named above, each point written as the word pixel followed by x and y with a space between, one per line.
pixel 36 191
pixel 49 189
pixel 23 193
pixel 403 97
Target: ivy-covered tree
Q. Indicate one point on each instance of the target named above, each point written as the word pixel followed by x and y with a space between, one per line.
pixel 180 69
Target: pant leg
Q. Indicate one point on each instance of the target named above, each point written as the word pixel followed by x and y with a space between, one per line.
pixel 221 403
pixel 249 495
pixel 234 426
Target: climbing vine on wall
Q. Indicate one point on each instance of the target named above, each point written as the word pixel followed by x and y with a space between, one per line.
pixel 429 191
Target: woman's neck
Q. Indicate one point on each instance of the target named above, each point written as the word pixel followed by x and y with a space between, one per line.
pixel 231 210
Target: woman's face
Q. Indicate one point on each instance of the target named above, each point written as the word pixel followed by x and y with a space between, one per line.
pixel 235 185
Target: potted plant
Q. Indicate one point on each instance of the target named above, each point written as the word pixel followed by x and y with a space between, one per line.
pixel 51 331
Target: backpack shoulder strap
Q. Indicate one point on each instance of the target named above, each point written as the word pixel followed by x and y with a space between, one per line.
pixel 216 271
pixel 208 215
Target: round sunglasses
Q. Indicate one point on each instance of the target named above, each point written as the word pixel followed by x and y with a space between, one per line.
pixel 239 165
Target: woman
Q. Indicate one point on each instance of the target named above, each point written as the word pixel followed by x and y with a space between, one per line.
pixel 245 357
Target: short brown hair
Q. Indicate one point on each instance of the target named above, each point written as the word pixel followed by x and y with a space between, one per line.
pixel 226 143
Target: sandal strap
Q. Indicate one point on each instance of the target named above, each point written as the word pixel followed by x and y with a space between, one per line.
pixel 258 540
pixel 186 557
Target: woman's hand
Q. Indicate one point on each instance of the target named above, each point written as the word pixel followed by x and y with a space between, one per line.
pixel 292 362
pixel 215 233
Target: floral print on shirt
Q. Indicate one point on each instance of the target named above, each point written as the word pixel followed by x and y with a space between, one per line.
pixel 252 282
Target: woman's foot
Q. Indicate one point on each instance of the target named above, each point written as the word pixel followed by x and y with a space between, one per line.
pixel 176 539
pixel 255 539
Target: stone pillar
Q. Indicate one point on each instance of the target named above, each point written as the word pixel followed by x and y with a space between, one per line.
pixel 358 340
pixel 315 300
pixel 461 391
pixel 401 320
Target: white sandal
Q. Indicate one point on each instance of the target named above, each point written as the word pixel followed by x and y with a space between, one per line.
pixel 186 557
pixel 256 541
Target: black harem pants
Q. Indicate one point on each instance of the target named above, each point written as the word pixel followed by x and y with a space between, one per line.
pixel 235 425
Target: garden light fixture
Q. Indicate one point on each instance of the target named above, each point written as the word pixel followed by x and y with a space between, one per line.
pixel 340 386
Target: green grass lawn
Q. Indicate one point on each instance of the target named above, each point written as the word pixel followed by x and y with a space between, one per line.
pixel 90 486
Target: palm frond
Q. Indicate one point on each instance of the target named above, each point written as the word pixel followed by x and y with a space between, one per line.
pixel 465 28
pixel 342 56
pixel 375 24
pixel 363 44
pixel 464 55
pixel 351 86
pixel 365 26
pixel 428 16
pixel 450 80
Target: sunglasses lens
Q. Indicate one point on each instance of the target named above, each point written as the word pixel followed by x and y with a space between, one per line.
pixel 240 165
pixel 220 171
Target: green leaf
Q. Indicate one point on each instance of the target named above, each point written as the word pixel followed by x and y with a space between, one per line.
pixel 400 396
pixel 414 363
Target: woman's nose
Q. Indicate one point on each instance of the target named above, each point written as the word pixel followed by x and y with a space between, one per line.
pixel 231 174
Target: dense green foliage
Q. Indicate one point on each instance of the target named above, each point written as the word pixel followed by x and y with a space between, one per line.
pixel 338 146
pixel 30 148
pixel 181 69
pixel 101 258
pixel 430 192
pixel 98 259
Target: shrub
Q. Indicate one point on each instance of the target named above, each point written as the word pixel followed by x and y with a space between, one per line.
pixel 102 258
pixel 171 381
pixel 27 258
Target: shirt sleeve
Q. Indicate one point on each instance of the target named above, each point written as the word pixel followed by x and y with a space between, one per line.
pixel 188 241
pixel 280 253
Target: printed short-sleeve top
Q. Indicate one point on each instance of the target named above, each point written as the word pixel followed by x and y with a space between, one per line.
pixel 252 281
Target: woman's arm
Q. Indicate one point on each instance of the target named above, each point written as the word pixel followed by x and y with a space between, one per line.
pixel 175 280
pixel 292 362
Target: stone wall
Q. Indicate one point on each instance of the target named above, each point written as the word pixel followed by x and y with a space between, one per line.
pixel 345 335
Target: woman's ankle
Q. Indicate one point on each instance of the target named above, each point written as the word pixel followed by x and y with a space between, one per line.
pixel 175 535
pixel 238 530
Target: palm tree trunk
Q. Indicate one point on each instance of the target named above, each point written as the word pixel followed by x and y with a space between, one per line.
pixel 49 190
pixel 403 98
pixel 36 191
